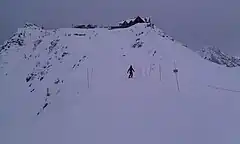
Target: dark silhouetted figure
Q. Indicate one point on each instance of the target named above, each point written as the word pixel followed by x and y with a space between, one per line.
pixel 130 71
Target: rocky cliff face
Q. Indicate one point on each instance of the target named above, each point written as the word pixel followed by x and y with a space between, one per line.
pixel 213 54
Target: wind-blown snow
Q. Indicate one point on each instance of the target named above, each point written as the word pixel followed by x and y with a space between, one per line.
pixel 70 86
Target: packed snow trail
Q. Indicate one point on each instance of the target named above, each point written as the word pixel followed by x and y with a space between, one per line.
pixel 93 101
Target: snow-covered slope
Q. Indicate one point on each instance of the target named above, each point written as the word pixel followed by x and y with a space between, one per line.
pixel 215 55
pixel 69 86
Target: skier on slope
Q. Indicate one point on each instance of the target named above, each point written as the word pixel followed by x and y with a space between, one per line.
pixel 130 71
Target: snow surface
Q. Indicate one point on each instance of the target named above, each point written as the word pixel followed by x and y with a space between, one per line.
pixel 69 86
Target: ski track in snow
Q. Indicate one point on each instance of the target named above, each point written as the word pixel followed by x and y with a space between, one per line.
pixel 70 86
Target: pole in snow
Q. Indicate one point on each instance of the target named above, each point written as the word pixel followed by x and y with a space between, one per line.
pixel 88 78
pixel 91 75
pixel 160 69
pixel 175 70
pixel 150 69
pixel 160 72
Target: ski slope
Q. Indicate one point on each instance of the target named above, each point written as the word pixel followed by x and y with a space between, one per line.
pixel 81 75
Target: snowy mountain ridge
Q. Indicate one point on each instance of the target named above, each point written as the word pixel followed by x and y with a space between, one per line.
pixel 70 85
pixel 213 54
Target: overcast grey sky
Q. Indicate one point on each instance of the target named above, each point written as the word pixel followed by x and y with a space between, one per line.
pixel 194 22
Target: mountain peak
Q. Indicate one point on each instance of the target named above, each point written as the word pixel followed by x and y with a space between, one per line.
pixel 215 55
pixel 31 26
